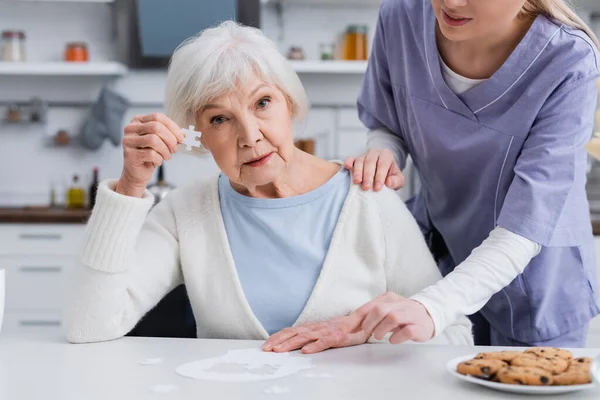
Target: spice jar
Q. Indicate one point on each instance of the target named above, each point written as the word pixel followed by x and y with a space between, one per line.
pixel 13 46
pixel 355 43
pixel 327 51
pixel 76 52
pixel 13 113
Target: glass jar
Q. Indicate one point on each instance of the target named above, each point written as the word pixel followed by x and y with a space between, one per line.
pixel 327 51
pixel 13 113
pixel 355 43
pixel 76 52
pixel 13 46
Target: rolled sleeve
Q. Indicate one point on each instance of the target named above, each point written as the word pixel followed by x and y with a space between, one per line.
pixel 545 199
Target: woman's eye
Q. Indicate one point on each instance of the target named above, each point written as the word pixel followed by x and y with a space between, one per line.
pixel 218 120
pixel 262 103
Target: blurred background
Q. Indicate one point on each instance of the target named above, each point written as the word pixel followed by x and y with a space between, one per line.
pixel 74 72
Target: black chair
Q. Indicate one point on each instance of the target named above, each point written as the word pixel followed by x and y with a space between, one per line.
pixel 172 317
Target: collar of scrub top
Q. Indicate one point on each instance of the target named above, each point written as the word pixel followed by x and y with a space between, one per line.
pixel 483 96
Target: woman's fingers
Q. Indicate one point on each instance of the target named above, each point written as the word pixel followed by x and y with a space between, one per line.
pixel 317 346
pixel 153 129
pixel 395 178
pixel 357 170
pixel 349 163
pixel 384 168
pixel 148 142
pixel 391 322
pixel 369 168
pixel 149 156
pixel 296 342
pixel 406 333
pixel 277 338
pixel 165 121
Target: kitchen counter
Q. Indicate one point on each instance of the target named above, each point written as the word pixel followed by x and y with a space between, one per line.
pixel 45 367
pixel 43 215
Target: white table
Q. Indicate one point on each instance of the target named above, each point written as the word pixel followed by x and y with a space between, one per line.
pixel 37 367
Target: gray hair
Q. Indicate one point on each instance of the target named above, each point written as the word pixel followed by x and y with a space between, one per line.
pixel 217 60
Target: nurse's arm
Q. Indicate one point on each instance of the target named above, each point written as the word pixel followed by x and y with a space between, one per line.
pixel 489 268
pixel 410 267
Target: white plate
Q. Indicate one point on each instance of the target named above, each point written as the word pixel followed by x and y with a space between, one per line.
pixel 504 387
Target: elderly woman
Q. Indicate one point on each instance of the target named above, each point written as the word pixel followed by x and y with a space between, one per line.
pixel 280 241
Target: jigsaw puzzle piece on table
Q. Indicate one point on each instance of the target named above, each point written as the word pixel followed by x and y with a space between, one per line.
pixel 192 138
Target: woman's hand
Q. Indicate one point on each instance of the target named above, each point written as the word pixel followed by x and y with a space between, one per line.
pixel 148 141
pixel 374 169
pixel 406 319
pixel 316 337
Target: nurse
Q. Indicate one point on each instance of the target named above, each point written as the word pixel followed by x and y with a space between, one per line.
pixel 493 101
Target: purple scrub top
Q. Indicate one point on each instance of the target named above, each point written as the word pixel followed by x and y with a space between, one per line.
pixel 509 153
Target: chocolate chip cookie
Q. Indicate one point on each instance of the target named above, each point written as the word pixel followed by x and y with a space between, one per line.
pixel 550 352
pixel 524 376
pixel 480 368
pixel 499 355
pixel 554 365
pixel 573 376
pixel 581 363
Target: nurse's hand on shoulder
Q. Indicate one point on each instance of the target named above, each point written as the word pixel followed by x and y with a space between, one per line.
pixel 148 141
pixel 374 169
pixel 405 319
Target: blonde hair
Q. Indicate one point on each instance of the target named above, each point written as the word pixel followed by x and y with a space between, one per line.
pixel 560 11
pixel 220 59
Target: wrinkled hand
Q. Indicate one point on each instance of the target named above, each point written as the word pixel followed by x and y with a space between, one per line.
pixel 317 337
pixel 406 319
pixel 148 141
pixel 374 168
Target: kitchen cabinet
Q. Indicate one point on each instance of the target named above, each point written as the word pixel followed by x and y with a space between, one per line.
pixel 38 259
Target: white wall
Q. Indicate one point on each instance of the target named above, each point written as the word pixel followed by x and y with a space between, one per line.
pixel 28 163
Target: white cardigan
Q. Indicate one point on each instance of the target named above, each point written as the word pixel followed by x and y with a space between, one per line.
pixel 132 258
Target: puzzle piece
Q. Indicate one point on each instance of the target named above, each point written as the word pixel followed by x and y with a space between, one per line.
pixel 151 361
pixel 192 138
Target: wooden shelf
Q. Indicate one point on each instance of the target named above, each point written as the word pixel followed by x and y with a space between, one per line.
pixel 63 68
pixel 330 67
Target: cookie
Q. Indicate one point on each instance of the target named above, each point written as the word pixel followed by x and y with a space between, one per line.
pixel 581 362
pixel 524 376
pixel 480 368
pixel 555 365
pixel 499 355
pixel 550 352
pixel 572 377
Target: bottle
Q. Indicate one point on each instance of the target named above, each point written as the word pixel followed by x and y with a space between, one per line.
pixel 75 194
pixel 93 189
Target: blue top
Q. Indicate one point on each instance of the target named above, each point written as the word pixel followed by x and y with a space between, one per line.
pixel 279 246
pixel 509 152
